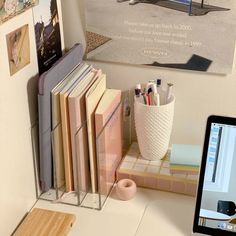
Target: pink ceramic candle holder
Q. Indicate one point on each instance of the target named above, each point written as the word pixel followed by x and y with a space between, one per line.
pixel 126 189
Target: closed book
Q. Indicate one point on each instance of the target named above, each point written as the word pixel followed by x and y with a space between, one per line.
pixel 185 158
pixel 92 99
pixel 76 77
pixel 57 143
pixel 78 130
pixel 108 125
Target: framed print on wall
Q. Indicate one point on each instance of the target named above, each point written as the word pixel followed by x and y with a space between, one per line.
pixel 47 33
pixel 196 35
pixel 11 8
pixel 18 48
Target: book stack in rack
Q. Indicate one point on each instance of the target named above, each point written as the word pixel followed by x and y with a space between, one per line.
pixel 155 174
pixel 81 120
pixel 84 99
pixel 185 159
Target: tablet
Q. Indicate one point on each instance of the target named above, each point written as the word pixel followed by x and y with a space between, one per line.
pixel 47 81
pixel 216 196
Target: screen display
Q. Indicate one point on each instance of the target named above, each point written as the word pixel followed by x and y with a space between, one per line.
pixel 217 205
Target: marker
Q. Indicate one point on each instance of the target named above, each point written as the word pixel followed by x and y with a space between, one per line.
pixel 145 98
pixel 156 96
pixel 137 92
pixel 137 89
pixel 158 82
pixel 169 92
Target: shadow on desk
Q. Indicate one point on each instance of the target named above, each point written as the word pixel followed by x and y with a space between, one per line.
pixel 170 214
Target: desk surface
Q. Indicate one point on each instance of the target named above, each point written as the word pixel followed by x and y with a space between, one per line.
pixel 213 215
pixel 150 213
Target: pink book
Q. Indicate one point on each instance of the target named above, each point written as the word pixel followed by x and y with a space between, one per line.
pixel 108 126
pixel 78 130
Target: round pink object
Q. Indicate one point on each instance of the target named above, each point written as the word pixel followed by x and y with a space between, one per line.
pixel 125 189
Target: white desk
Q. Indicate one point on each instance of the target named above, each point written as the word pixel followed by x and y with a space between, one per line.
pixel 150 213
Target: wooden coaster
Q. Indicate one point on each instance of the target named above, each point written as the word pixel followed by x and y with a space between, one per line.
pixel 42 222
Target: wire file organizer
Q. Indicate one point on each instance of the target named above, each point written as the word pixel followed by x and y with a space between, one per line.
pixel 108 157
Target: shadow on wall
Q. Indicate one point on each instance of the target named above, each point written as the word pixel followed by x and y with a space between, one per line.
pixel 32 93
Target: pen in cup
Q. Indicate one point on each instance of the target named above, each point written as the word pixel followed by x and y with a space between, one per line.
pixel 137 90
pixel 156 96
pixel 169 92
pixel 158 83
pixel 145 98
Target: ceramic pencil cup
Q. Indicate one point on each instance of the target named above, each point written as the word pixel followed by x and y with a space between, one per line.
pixel 153 125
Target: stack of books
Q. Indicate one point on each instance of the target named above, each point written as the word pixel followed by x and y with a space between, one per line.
pixel 185 159
pixel 86 125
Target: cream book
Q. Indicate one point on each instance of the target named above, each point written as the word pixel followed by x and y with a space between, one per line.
pixel 108 125
pixel 57 143
pixel 93 97
pixel 75 79
pixel 78 129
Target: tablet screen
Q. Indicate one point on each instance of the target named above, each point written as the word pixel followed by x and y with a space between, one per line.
pixel 215 209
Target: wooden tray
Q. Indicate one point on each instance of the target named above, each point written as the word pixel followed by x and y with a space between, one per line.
pixel 42 222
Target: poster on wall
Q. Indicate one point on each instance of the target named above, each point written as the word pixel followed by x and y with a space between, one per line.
pixel 18 48
pixel 47 33
pixel 196 35
pixel 11 8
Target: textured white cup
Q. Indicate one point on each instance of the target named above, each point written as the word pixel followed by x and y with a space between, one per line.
pixel 153 125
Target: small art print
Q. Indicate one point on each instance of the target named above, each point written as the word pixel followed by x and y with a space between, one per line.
pixel 18 49
pixel 10 8
pixel 47 33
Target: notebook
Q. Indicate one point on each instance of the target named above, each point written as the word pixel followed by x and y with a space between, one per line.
pixel 57 145
pixel 93 97
pixel 108 125
pixel 75 79
pixel 78 130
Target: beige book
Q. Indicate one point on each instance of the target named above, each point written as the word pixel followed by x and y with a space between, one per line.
pixel 57 143
pixel 78 129
pixel 65 122
pixel 93 97
pixel 57 146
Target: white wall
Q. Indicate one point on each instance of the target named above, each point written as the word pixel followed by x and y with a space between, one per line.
pixel 17 93
pixel 18 111
pixel 198 95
